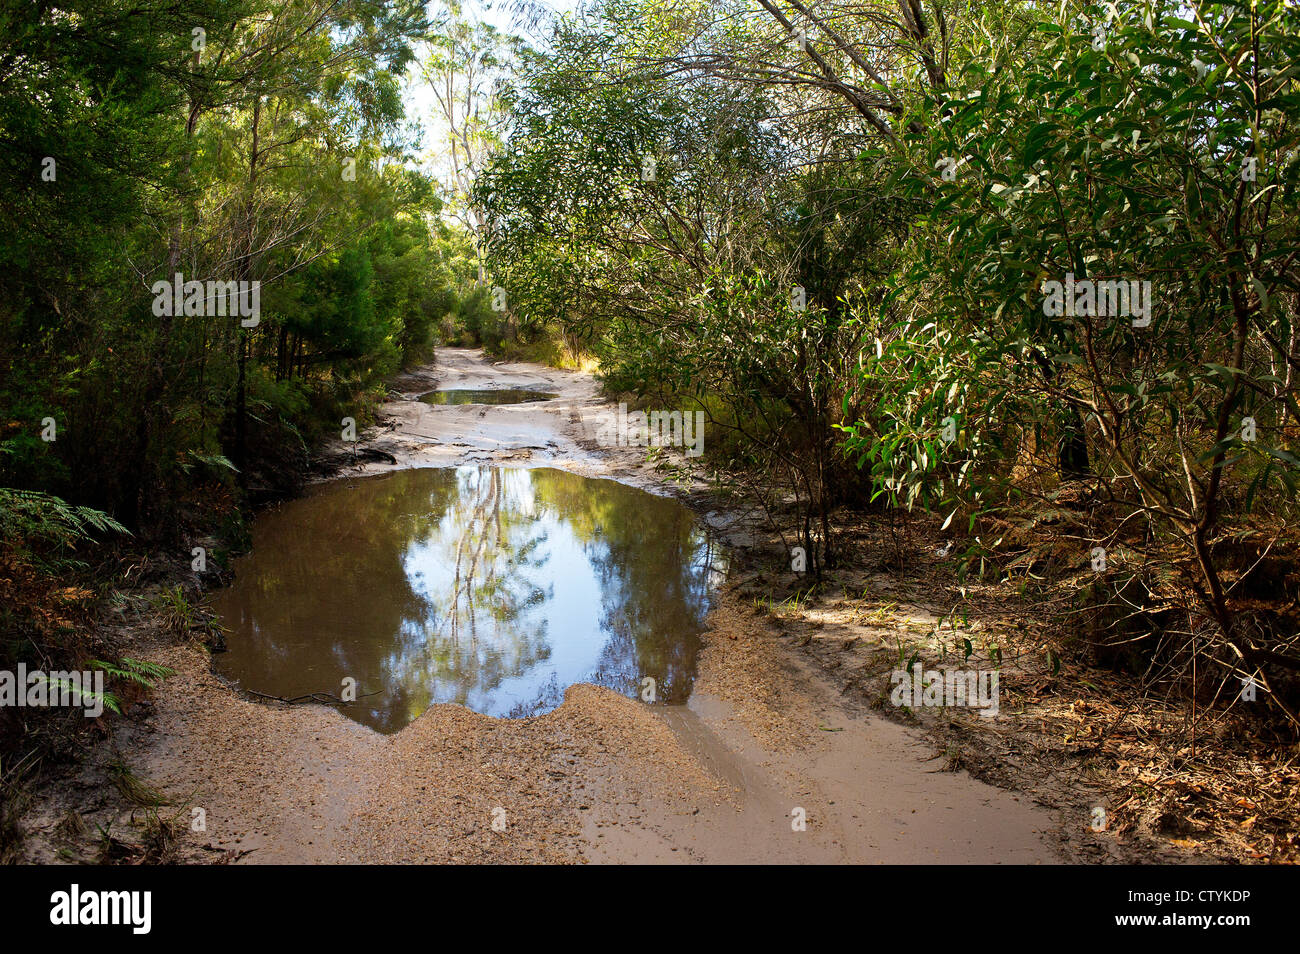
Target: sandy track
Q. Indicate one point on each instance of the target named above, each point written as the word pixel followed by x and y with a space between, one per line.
pixel 603 778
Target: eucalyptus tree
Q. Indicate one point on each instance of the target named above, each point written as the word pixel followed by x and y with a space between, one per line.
pixel 465 66
pixel 1112 228
pixel 698 234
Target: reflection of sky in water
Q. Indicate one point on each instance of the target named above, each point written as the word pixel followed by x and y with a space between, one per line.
pixel 496 588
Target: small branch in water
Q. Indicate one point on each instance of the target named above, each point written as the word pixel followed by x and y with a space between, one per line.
pixel 329 699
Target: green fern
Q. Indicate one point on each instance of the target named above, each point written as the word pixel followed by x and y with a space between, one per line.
pixel 30 517
pixel 85 696
pixel 146 674
pixel 215 461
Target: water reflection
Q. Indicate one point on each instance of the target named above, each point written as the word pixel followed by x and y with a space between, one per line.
pixel 499 396
pixel 493 587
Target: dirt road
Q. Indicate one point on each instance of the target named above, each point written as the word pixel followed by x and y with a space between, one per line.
pixel 765 764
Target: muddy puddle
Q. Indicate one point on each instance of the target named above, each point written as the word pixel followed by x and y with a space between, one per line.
pixel 493 587
pixel 497 396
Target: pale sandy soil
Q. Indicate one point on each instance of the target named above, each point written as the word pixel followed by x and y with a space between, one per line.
pixel 763 742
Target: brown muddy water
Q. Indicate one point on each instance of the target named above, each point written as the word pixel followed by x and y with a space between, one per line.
pixel 493 587
pixel 498 396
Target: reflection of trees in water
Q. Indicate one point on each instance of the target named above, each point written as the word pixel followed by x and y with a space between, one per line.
pixel 324 580
pixel 441 584
pixel 655 567
pixel 654 628
pixel 477 628
pixel 550 695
